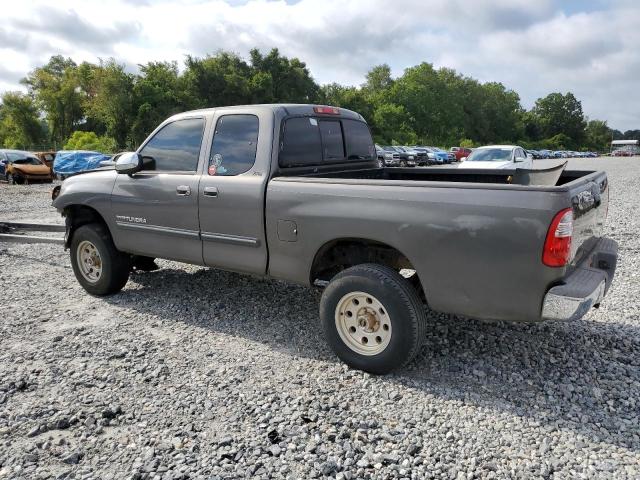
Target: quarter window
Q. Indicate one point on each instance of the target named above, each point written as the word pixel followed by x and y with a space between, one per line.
pixel 176 147
pixel 358 139
pixel 301 143
pixel 311 141
pixel 234 145
pixel 332 144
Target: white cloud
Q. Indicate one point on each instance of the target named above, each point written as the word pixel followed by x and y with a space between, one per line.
pixel 532 47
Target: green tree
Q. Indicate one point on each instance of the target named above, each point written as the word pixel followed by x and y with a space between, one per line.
pixel 561 114
pixel 290 79
pixel 393 125
pixel 598 135
pixel 20 126
pixel 57 91
pixel 110 101
pixel 378 78
pixel 81 140
pixel 158 92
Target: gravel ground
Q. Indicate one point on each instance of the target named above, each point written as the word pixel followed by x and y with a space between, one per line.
pixel 196 373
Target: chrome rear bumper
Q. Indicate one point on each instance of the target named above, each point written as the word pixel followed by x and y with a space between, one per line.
pixel 585 287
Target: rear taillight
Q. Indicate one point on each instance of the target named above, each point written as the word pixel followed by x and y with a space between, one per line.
pixel 557 245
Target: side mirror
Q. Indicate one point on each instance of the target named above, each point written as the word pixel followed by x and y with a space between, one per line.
pixel 128 163
pixel 519 159
pixel 463 159
pixel 530 156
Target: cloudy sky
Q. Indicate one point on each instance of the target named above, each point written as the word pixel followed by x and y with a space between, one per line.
pixel 589 47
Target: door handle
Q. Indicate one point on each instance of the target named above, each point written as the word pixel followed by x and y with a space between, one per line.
pixel 183 190
pixel 210 192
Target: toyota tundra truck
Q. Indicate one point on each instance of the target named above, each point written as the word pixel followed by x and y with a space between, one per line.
pixel 295 192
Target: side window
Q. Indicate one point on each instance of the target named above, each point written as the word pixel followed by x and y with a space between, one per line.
pixel 301 143
pixel 313 141
pixel 176 147
pixel 358 140
pixel 235 140
pixel 332 143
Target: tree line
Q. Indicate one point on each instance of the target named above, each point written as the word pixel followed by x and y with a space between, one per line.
pixel 103 107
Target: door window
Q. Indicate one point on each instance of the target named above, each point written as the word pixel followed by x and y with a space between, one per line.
pixel 234 145
pixel 176 147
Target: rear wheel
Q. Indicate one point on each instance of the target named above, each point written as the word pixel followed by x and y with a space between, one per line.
pixel 372 318
pixel 100 268
pixel 403 163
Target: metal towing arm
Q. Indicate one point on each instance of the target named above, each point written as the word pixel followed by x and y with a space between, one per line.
pixel 13 232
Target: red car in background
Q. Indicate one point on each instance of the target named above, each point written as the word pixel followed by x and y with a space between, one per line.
pixel 460 152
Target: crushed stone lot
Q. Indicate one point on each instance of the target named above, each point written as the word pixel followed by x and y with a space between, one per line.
pixel 196 373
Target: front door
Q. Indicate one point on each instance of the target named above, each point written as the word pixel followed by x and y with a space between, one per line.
pixel 156 209
pixel 232 192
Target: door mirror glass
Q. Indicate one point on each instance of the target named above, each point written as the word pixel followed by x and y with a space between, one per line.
pixel 128 163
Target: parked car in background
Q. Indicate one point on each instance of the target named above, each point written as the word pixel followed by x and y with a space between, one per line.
pixel 535 154
pixel 46 157
pixel 545 153
pixel 460 152
pixel 392 158
pixel 498 157
pixel 448 157
pixel 420 158
pixel 441 157
pixel 383 155
pixel 425 157
pixel 407 159
pixel 18 167
pixel 621 153
pixel 72 162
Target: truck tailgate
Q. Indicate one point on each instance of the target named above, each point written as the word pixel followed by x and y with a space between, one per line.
pixel 590 202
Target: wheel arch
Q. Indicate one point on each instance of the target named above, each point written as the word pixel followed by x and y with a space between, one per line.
pixel 341 253
pixel 78 215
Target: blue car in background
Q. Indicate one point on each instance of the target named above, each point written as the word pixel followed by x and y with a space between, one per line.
pixel 441 156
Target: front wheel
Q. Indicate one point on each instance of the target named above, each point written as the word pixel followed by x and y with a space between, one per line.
pixel 373 318
pixel 100 268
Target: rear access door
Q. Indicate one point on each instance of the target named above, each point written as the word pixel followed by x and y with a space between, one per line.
pixel 232 191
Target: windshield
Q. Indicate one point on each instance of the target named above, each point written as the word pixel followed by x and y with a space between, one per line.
pixel 490 155
pixel 27 161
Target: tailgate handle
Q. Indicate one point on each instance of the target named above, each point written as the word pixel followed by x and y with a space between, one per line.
pixel 210 191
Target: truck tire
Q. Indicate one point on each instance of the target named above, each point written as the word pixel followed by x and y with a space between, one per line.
pixel 373 318
pixel 100 268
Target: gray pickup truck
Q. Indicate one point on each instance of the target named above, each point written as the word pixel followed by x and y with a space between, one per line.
pixel 295 192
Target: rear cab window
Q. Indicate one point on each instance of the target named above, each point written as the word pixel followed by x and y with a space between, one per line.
pixel 312 141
